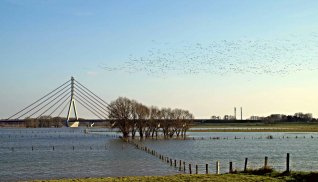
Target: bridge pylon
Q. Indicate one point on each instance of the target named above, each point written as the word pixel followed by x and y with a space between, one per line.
pixel 72 105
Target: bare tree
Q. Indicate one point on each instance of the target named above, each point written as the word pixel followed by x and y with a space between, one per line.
pixel 154 121
pixel 140 113
pixel 186 119
pixel 131 116
pixel 120 112
pixel 166 121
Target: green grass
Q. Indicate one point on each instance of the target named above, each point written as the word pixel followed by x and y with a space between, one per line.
pixel 255 127
pixel 248 176
pixel 179 178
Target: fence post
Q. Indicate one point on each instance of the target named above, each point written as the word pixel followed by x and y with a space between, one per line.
pixel 206 168
pixel 217 167
pixel 287 163
pixel 196 169
pixel 231 167
pixel 175 163
pixel 245 165
pixel 180 165
pixel 184 166
pixel 190 170
pixel 266 162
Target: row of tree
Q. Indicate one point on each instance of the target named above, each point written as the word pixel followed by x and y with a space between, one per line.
pixel 130 117
pixel 44 122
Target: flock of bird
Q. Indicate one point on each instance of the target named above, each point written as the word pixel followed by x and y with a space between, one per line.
pixel 262 57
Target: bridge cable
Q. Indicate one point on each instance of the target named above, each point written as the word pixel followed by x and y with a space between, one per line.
pixel 101 105
pixel 67 103
pixel 59 106
pixel 101 115
pixel 89 110
pixel 53 104
pixel 96 104
pixel 92 93
pixel 92 96
pixel 92 106
pixel 65 90
pixel 37 100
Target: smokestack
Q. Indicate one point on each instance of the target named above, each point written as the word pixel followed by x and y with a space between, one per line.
pixel 241 113
pixel 235 113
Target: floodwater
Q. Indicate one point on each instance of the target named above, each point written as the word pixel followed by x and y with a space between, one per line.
pixel 208 147
pixel 94 155
pixel 103 154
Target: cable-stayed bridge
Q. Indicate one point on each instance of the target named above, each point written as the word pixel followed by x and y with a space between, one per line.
pixel 65 98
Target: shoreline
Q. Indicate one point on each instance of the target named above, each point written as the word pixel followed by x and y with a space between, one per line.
pixel 250 175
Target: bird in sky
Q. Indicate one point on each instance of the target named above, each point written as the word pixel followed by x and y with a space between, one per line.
pixel 260 57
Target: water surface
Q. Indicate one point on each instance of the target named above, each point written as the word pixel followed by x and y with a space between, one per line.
pixel 101 154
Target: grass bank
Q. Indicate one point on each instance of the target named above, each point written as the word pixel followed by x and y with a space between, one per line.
pixel 178 178
pixel 255 175
pixel 255 127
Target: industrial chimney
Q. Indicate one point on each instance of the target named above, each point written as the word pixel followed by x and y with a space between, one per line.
pixel 241 113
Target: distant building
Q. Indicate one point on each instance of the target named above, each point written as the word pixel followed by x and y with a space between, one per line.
pixel 229 117
pixel 215 117
pixel 257 118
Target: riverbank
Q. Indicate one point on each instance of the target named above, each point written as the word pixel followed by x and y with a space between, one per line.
pixel 241 177
pixel 255 127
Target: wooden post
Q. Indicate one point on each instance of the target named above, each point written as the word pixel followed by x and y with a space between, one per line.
pixel 231 167
pixel 53 147
pixel 32 148
pixel 245 165
pixel 190 170
pixel 196 169
pixel 180 165
pixel 170 162
pixel 184 166
pixel 206 168
pixel 266 162
pixel 287 163
pixel 175 163
pixel 217 167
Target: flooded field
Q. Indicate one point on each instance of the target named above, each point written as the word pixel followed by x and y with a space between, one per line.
pixel 207 147
pixel 69 153
pixel 94 155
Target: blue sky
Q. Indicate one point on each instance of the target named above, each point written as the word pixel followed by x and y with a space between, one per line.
pixel 108 45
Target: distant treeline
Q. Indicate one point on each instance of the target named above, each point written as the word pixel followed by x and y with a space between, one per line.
pixel 297 117
pixel 44 122
pixel 130 117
